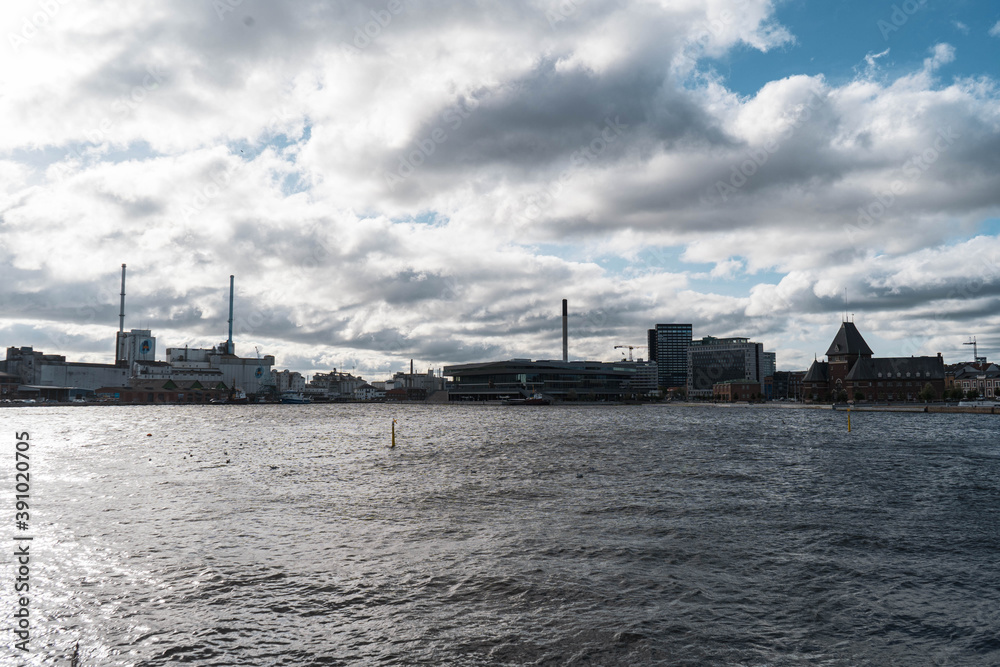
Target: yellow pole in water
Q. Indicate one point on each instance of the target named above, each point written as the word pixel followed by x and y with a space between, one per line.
pixel 848 420
pixel 393 434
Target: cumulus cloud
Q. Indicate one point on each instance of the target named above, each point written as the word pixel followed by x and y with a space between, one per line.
pixel 391 181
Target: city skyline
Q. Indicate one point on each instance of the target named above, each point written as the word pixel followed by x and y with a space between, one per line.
pixel 395 180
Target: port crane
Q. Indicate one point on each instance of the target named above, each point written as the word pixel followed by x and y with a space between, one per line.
pixel 630 348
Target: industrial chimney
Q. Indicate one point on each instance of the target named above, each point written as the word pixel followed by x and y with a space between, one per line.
pixel 229 342
pixel 565 331
pixel 121 324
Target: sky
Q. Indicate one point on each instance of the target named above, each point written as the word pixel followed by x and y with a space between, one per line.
pixel 416 179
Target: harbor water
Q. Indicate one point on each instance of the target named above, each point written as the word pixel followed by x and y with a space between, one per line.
pixel 503 535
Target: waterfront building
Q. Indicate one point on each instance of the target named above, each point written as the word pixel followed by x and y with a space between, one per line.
pixel 852 373
pixel 134 346
pixel 151 392
pixel 427 382
pixel 249 374
pixel 645 381
pixel 737 390
pixel 984 377
pixel 50 376
pixel 769 364
pixel 287 380
pixel 668 347
pixel 334 385
pixel 8 386
pixel 714 360
pixel 787 385
pixel 521 378
pixel 367 392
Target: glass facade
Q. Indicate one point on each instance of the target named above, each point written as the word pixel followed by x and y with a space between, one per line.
pixel 714 360
pixel 672 343
pixel 522 378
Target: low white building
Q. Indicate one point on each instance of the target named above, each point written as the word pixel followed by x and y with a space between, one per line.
pixel 429 382
pixel 335 384
pixel 287 380
pixel 367 392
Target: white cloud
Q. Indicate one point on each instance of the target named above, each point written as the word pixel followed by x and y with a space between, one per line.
pixel 995 30
pixel 941 54
pixel 259 144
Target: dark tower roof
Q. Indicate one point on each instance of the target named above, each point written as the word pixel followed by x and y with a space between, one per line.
pixel 849 341
pixel 818 372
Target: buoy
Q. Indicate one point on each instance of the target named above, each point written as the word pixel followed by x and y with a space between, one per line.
pixel 149 435
pixel 393 434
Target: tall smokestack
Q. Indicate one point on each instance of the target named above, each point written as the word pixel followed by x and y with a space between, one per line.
pixel 121 324
pixel 121 315
pixel 565 331
pixel 229 343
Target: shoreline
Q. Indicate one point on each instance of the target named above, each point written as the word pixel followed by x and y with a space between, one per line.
pixel 928 408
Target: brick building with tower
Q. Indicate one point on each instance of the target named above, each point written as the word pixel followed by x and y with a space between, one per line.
pixel 851 370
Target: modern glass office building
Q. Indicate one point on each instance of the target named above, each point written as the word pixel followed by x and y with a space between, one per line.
pixel 668 347
pixel 520 378
pixel 713 360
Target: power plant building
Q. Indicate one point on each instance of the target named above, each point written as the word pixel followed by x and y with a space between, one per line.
pixel 50 376
pixel 251 374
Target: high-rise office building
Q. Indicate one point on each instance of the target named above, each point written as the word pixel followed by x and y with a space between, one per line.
pixel 714 360
pixel 669 349
pixel 770 365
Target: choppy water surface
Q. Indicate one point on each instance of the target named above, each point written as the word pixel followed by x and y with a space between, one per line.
pixel 292 535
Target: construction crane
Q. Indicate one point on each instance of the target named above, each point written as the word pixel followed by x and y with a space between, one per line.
pixel 630 348
pixel 975 350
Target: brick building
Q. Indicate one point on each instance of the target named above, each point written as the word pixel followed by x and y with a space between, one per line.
pixel 852 370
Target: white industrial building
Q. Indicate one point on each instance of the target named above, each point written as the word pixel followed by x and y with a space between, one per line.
pixel 51 376
pixel 251 374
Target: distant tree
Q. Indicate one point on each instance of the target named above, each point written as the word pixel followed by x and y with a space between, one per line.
pixel 858 396
pixel 841 396
pixel 972 394
pixel 928 393
pixel 571 395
